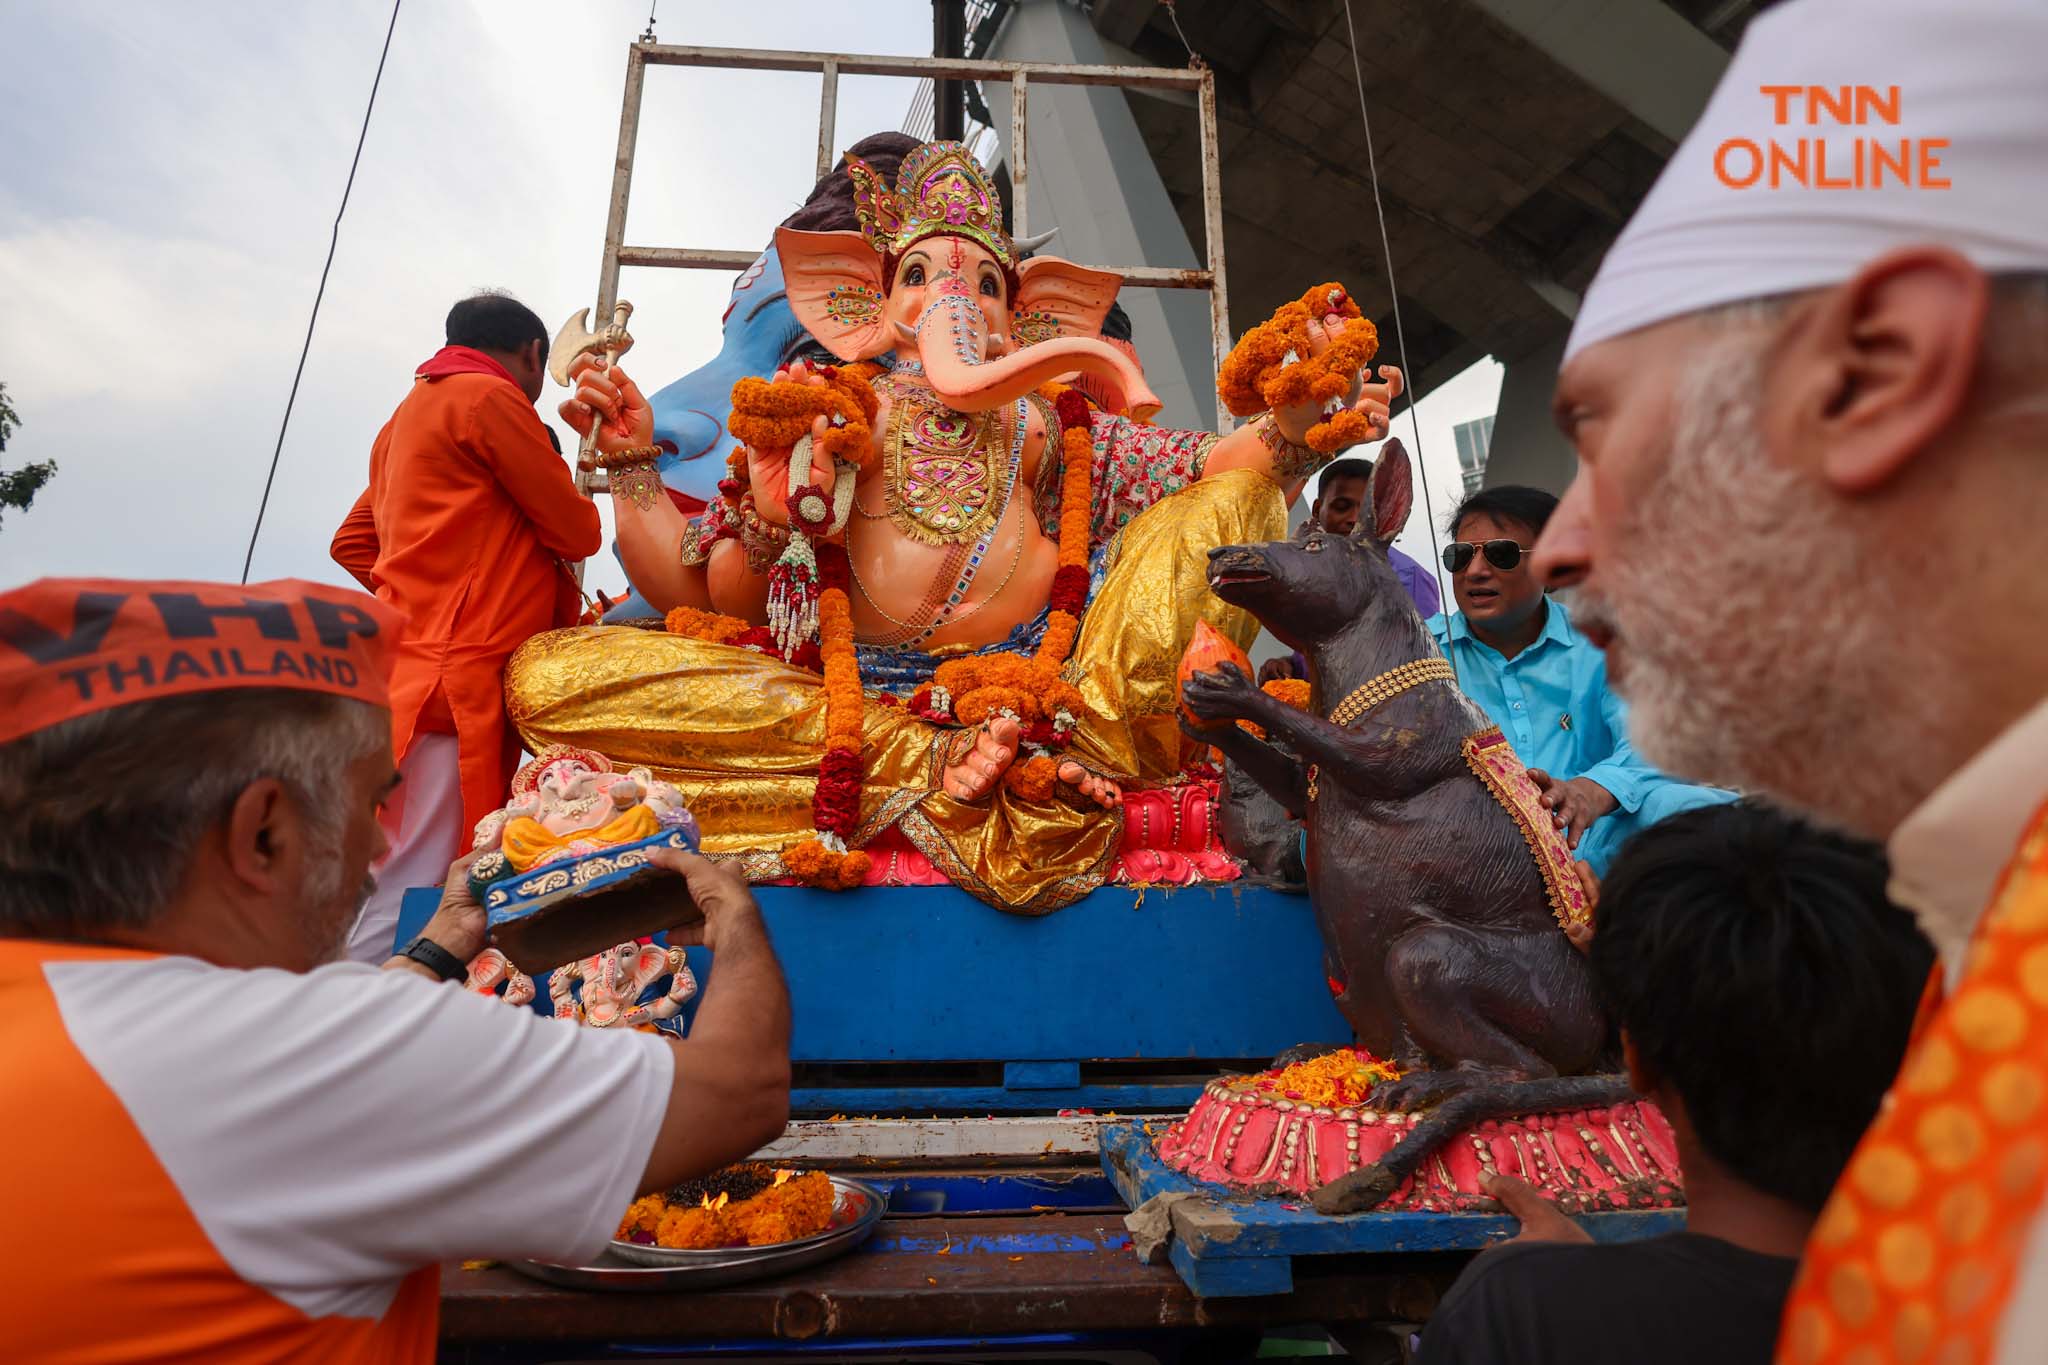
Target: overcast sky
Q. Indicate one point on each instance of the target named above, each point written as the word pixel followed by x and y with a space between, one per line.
pixel 170 177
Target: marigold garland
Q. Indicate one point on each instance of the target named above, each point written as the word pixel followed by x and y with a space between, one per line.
pixel 776 414
pixel 1258 376
pixel 1033 779
pixel 773 416
pixel 1288 691
pixel 986 685
pixel 1338 1079
pixel 709 626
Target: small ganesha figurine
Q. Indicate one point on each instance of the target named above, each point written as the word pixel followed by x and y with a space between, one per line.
pixel 604 990
pixel 492 973
pixel 569 802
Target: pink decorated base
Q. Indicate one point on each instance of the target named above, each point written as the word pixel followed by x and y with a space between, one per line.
pixel 1170 839
pixel 1611 1158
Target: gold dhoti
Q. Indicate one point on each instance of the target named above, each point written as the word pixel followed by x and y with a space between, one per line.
pixel 740 733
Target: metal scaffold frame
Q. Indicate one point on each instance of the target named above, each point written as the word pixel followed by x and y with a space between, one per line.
pixel 830 67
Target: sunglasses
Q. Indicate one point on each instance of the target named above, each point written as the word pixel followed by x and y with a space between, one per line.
pixel 1502 554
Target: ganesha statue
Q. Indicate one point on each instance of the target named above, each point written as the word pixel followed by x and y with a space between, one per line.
pixel 945 583
pixel 569 802
pixel 621 988
pixel 563 867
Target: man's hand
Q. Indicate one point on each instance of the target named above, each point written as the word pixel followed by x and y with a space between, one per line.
pixel 1573 804
pixel 722 895
pixel 458 923
pixel 1374 401
pixel 1581 934
pixel 1541 1221
pixel 1276 670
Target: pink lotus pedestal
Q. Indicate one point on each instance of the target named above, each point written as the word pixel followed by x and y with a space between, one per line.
pixel 1621 1157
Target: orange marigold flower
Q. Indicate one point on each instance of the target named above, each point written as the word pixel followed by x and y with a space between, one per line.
pixel 1335 1079
pixel 642 1215
pixel 815 865
pixel 1292 691
pixel 698 1229
pixel 1060 630
pixel 1033 779
pixel 708 626
pixel 1255 378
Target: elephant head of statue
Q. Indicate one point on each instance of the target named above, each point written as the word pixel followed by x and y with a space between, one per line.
pixel 932 276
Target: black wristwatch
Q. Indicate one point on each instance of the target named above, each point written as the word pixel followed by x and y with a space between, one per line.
pixel 436 959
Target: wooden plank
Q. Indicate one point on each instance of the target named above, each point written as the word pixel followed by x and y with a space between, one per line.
pixel 989 1099
pixel 700 258
pixel 1212 234
pixel 1225 1224
pixel 614 237
pixel 954 1277
pixel 828 120
pixel 1020 174
pixel 881 1139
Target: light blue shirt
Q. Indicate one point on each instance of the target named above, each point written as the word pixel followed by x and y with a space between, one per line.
pixel 1553 703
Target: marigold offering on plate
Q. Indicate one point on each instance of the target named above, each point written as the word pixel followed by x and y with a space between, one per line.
pixel 747 1205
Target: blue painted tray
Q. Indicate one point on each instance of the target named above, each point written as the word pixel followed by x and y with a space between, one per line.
pixel 561 911
pixel 1226 1243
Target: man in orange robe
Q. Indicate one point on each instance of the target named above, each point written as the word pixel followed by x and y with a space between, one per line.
pixel 464 528
pixel 1806 527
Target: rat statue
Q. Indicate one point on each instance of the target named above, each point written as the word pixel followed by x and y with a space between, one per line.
pixel 1440 888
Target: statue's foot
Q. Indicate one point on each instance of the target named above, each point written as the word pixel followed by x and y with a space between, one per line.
pixel 979 758
pixel 1427 1089
pixel 1303 1052
pixel 1100 790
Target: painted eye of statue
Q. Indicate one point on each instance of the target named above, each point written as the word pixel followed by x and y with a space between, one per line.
pixel 988 286
pixel 806 348
pixel 1314 545
pixel 913 273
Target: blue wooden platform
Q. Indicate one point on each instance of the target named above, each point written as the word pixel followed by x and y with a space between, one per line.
pixel 895 985
pixel 1228 1244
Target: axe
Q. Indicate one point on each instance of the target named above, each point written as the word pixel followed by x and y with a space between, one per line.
pixel 575 338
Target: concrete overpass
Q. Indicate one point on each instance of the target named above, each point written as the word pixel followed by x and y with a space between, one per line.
pixel 1513 137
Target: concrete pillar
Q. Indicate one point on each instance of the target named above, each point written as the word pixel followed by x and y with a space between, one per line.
pixel 1092 177
pixel 1527 447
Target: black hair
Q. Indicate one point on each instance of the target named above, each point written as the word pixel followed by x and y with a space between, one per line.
pixel 1353 468
pixel 829 206
pixel 1519 503
pixel 494 322
pixel 1757 966
pixel 1117 325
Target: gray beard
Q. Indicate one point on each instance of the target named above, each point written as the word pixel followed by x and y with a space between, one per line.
pixel 1753 624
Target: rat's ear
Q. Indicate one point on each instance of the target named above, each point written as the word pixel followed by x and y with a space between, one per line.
pixel 1392 492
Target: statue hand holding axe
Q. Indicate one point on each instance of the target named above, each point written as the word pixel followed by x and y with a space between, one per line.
pixel 607 410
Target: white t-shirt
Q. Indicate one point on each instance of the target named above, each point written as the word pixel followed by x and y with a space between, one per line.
pixel 335 1130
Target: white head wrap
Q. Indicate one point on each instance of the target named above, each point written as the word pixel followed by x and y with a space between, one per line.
pixel 1972 72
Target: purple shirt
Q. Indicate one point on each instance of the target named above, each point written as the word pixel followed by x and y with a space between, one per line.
pixel 1420 583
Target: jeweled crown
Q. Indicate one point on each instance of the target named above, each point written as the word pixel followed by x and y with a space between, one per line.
pixel 940 191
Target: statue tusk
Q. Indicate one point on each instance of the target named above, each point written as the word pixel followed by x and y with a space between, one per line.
pixel 905 333
pixel 1035 241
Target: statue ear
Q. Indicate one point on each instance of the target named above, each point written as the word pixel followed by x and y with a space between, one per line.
pixel 834 281
pixel 1392 494
pixel 1059 298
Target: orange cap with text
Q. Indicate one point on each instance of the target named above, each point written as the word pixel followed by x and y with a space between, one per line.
pixel 71 646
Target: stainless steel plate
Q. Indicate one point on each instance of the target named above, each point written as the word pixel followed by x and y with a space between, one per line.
pixel 630 1267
